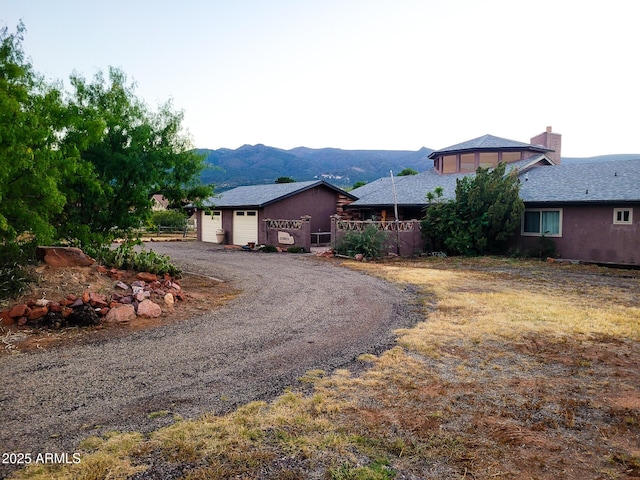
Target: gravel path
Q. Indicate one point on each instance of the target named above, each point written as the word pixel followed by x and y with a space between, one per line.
pixel 296 313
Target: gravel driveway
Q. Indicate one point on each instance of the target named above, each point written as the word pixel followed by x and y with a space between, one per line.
pixel 296 313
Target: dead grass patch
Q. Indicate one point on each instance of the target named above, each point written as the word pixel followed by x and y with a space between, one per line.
pixel 520 370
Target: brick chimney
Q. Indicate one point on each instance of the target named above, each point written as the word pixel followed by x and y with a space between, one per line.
pixel 550 140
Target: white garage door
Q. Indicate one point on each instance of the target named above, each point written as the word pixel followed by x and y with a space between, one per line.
pixel 245 226
pixel 211 222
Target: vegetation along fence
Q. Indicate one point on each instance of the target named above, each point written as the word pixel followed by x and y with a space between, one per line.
pixel 404 236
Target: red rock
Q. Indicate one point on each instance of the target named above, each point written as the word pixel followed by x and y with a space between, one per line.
pixel 65 302
pixel 72 297
pixel 97 300
pixel 103 311
pixel 86 296
pixel 66 311
pixel 55 307
pixel 37 313
pixel 22 321
pixel 147 277
pixel 5 319
pixel 147 308
pixel 125 313
pixel 64 257
pixel 101 269
pixel 20 310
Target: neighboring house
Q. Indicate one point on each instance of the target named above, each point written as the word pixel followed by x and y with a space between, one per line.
pixel 159 203
pixel 590 211
pixel 241 212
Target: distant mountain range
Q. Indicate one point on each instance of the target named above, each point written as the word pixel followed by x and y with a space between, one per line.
pixel 260 164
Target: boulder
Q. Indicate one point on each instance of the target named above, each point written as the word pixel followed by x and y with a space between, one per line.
pixel 125 313
pixel 58 257
pixel 147 308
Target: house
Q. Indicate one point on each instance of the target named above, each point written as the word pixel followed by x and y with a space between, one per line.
pixel 586 209
pixel 591 211
pixel 271 214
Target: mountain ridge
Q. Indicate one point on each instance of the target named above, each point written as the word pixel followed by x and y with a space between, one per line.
pixel 262 164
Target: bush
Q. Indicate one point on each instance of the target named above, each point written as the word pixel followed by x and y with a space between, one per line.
pixel 171 219
pixel 370 243
pixel 14 279
pixel 296 250
pixel 126 258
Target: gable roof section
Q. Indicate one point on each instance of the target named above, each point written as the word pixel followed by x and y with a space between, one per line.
pixel 411 189
pixel 489 143
pixel 602 182
pixel 258 196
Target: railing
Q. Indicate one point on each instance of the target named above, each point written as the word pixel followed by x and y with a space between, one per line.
pixel 390 226
pixel 285 224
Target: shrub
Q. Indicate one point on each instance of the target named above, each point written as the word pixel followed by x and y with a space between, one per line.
pixel 296 250
pixel 173 219
pixel 369 242
pixel 126 258
pixel 14 279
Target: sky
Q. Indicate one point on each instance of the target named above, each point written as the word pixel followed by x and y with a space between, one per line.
pixel 359 74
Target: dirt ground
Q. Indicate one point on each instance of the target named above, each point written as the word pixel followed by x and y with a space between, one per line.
pixel 202 294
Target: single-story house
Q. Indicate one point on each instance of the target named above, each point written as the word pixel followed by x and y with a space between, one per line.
pixel 242 213
pixel 587 209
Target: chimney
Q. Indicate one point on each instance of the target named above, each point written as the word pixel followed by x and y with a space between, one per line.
pixel 550 140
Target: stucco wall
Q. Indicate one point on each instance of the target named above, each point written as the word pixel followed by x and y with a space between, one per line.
pixel 589 234
pixel 319 203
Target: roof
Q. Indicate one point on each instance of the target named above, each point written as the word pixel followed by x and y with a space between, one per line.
pixel 258 196
pixel 489 143
pixel 411 190
pixel 614 181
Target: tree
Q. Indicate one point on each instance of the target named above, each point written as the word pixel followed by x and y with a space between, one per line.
pixel 408 171
pixel 285 180
pixel 358 184
pixel 128 154
pixel 31 162
pixel 484 215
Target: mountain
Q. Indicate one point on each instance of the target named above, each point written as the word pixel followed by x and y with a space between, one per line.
pixel 260 164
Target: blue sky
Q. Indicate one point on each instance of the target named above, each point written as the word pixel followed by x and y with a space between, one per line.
pixel 396 74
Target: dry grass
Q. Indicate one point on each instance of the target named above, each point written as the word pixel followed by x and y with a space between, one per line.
pixel 521 370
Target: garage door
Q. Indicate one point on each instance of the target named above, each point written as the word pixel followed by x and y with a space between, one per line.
pixel 211 222
pixel 245 226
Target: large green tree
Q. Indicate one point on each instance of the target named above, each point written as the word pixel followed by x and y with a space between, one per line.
pixel 31 160
pixel 484 215
pixel 128 154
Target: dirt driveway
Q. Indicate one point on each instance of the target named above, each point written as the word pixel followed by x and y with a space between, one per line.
pixel 295 313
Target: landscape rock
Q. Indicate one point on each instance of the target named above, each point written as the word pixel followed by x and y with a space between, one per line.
pixel 20 310
pixel 125 313
pixel 169 300
pixel 58 257
pixel 147 277
pixel 150 309
pixel 37 312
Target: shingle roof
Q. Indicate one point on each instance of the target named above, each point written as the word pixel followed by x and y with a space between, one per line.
pixel 411 189
pixel 489 142
pixel 257 196
pixel 616 181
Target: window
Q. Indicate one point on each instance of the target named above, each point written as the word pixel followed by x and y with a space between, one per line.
pixel 468 162
pixel 622 216
pixel 540 222
pixel 449 164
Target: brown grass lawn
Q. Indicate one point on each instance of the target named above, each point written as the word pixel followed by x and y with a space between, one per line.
pixel 520 370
